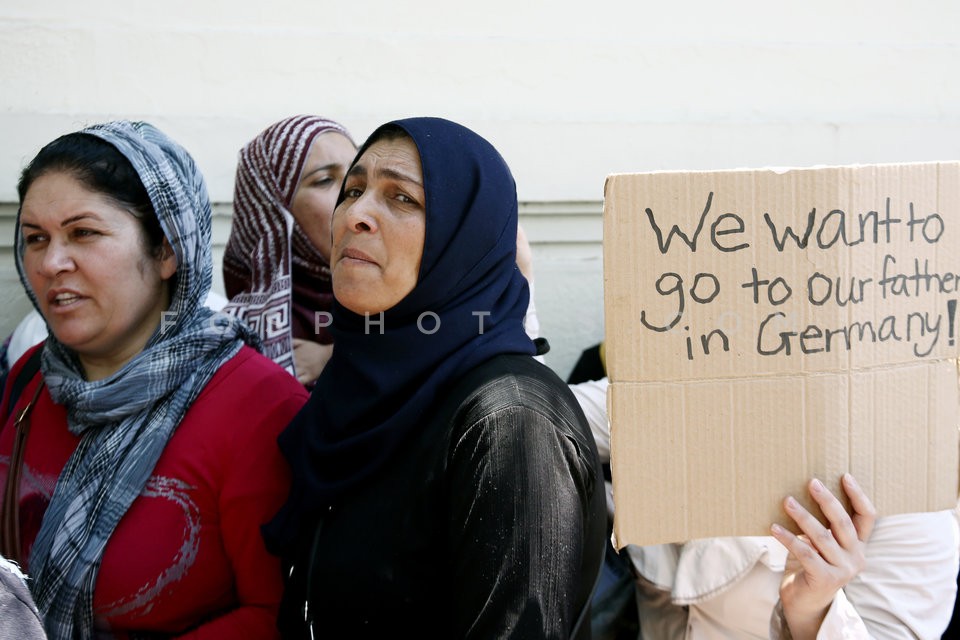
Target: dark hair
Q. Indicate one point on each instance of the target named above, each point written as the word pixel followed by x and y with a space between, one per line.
pixel 389 131
pixel 101 168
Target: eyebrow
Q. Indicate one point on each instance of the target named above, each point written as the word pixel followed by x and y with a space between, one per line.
pixel 65 223
pixel 393 174
pixel 326 167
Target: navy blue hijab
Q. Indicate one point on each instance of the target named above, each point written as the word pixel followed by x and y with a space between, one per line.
pixel 377 389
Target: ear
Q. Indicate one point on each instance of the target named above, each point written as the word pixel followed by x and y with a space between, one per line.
pixel 168 260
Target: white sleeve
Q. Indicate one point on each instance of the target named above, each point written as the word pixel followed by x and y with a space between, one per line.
pixel 592 396
pixel 31 330
pixel 909 585
pixel 531 324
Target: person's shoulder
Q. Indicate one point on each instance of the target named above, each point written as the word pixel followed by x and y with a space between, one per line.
pixel 504 370
pixel 250 396
pixel 516 383
pixel 251 371
pixel 518 404
pixel 13 378
pixel 21 361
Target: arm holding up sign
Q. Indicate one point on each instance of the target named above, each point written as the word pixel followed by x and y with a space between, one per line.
pixel 822 561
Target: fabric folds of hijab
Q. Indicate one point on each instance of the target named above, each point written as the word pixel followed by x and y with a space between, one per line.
pixel 274 276
pixel 379 386
pixel 125 420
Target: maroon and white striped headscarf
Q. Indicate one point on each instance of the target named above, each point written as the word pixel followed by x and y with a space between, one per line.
pixel 275 278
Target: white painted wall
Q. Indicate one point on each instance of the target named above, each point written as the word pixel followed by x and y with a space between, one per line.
pixel 569 92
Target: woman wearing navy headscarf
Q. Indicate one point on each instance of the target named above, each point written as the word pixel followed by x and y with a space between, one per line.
pixel 445 484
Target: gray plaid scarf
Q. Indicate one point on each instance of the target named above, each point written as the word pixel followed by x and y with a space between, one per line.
pixel 125 420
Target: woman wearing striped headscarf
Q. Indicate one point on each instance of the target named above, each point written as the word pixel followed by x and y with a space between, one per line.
pixel 151 461
pixel 276 267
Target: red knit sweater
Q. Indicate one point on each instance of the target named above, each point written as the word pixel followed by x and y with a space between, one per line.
pixel 187 558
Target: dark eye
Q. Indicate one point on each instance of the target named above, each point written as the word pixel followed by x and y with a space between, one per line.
pixel 353 192
pixel 84 233
pixel 34 238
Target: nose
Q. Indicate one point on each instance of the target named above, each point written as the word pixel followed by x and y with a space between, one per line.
pixel 55 259
pixel 363 215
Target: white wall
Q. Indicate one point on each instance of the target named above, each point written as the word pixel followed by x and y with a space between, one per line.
pixel 569 93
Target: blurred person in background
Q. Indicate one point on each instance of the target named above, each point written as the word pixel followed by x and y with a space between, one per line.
pixel 276 265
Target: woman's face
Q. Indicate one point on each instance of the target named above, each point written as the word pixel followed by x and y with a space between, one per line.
pixel 99 288
pixel 313 202
pixel 379 228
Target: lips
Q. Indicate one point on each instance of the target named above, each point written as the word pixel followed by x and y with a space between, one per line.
pixel 61 298
pixel 354 254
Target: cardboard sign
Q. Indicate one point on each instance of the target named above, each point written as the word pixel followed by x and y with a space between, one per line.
pixel 766 327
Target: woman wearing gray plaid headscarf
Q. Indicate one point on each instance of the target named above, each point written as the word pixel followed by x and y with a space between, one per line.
pixel 151 460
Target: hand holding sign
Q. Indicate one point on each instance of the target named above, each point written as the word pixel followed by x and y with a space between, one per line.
pixel 822 561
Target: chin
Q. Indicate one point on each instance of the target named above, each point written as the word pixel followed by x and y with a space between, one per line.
pixel 71 337
pixel 69 340
pixel 359 309
pixel 352 297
